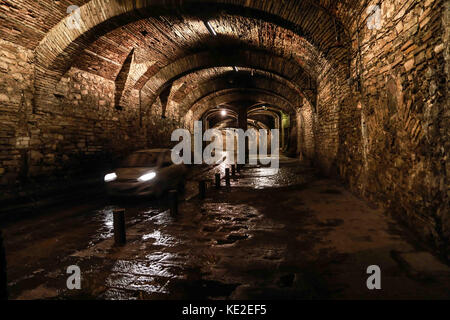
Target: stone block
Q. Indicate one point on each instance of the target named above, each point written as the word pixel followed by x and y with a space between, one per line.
pixel 439 48
pixel 36 156
pixel 409 65
pixel 4 98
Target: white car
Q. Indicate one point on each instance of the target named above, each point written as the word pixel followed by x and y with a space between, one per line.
pixel 146 173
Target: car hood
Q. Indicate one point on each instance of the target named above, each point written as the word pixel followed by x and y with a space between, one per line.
pixel 133 173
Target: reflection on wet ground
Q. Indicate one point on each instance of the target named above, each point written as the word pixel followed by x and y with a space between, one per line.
pixel 276 234
pixel 261 178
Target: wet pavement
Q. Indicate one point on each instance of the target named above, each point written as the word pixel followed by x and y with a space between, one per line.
pixel 283 234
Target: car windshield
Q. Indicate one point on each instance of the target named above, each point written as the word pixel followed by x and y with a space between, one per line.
pixel 141 160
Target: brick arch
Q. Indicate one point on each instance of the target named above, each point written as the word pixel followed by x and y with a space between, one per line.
pixel 241 58
pixel 220 83
pixel 232 95
pixel 101 16
pixel 251 123
pixel 258 110
pixel 270 111
pixel 232 112
pixel 254 110
pixel 194 81
pixel 212 114
pixel 56 52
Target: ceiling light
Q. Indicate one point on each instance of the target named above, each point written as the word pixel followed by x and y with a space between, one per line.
pixel 210 28
pixel 236 69
pixel 223 113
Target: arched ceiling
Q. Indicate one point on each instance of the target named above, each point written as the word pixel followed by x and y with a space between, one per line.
pixel 207 82
pixel 262 120
pixel 316 21
pixel 193 82
pixel 163 43
pixel 28 22
pixel 241 58
pixel 215 116
pixel 232 123
pixel 283 44
pixel 239 97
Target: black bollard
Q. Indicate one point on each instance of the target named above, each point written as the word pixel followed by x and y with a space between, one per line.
pixel 233 170
pixel 3 278
pixel 227 177
pixel 120 236
pixel 217 180
pixel 238 168
pixel 173 199
pixel 202 189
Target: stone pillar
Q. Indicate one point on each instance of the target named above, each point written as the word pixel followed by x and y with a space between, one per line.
pixel 242 118
pixel 243 124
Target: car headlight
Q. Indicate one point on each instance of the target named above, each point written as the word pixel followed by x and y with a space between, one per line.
pixel 147 177
pixel 110 177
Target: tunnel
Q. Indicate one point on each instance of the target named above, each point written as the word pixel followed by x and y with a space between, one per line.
pixel 349 97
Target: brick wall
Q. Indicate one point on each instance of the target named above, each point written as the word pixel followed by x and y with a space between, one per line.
pixel 77 124
pixel 384 131
pixel 398 157
pixel 16 95
pixel 305 122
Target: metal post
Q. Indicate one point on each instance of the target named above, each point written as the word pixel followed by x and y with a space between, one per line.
pixel 173 199
pixel 217 180
pixel 202 189
pixel 227 177
pixel 3 278
pixel 238 168
pixel 120 236
pixel 233 170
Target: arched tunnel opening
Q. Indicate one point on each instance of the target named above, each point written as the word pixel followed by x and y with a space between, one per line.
pixel 338 108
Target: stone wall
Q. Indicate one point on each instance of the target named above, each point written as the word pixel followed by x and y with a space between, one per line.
pixel 72 127
pixel 305 142
pixel 16 95
pixel 80 128
pixel 384 129
pixel 446 122
pixel 329 125
pixel 161 137
pixel 400 157
pixel 88 122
